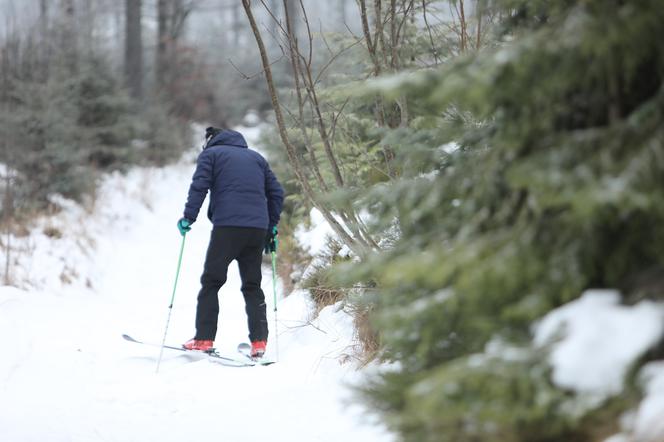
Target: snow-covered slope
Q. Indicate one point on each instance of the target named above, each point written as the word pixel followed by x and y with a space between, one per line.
pixel 66 374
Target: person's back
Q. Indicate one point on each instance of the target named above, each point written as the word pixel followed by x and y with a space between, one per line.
pixel 243 190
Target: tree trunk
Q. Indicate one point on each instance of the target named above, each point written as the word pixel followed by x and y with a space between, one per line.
pixel 88 27
pixel 464 27
pixel 43 14
pixel 68 31
pixel 171 19
pixel 45 43
pixel 7 207
pixel 293 15
pixel 161 65
pixel 134 49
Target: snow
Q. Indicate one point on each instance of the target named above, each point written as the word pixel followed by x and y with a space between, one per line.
pixel 594 341
pixel 599 340
pixel 644 424
pixel 450 148
pixel 649 426
pixel 314 238
pixel 67 375
pixel 618 438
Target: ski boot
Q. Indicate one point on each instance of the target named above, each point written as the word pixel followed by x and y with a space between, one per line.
pixel 206 346
pixel 257 349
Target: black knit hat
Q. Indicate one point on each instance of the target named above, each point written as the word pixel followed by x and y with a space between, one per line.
pixel 211 132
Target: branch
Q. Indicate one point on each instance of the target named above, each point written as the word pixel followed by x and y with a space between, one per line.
pixel 252 76
pixel 367 37
pixel 380 24
pixel 311 38
pixel 428 26
pixel 333 59
pixel 405 17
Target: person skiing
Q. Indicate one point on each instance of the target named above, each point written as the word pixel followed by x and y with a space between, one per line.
pixel 245 205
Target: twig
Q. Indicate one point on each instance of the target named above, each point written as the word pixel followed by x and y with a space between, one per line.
pixel 304 324
pixel 252 76
pixel 428 26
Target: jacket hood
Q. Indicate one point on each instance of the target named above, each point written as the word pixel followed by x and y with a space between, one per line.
pixel 227 137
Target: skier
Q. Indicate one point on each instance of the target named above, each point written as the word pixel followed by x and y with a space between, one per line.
pixel 245 205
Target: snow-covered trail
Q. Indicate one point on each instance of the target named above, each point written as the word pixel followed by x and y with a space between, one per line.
pixel 66 374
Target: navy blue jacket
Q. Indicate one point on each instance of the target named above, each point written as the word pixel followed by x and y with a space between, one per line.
pixel 243 190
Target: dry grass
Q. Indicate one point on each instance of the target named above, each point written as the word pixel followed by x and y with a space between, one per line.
pixel 324 296
pixel 366 335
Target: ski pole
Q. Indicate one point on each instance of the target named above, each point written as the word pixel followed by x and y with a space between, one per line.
pixel 170 307
pixel 274 290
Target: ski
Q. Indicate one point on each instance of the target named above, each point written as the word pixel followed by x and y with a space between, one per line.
pixel 212 356
pixel 245 350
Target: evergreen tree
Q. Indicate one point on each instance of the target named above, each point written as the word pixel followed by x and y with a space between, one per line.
pixel 533 171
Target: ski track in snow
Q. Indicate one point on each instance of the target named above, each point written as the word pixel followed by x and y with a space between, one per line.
pixel 66 375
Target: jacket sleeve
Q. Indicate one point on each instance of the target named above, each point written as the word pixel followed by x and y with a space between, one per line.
pixel 275 196
pixel 200 184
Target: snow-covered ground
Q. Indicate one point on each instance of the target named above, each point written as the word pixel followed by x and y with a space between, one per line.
pixel 67 375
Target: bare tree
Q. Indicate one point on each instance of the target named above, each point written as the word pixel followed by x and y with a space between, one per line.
pixel 163 42
pixel 291 15
pixel 44 36
pixel 171 18
pixel 432 39
pixel 7 156
pixel 7 206
pixel 469 24
pixel 345 222
pixel 68 32
pixel 134 48
pixel 383 28
pixel 87 26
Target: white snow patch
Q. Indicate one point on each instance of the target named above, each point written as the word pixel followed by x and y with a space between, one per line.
pixel 432 175
pixel 314 239
pixel 618 438
pixel 599 340
pixel 649 422
pixel 450 148
pixel 7 172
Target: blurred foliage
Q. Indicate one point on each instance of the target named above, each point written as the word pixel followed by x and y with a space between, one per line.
pixel 61 128
pixel 529 172
pixel 518 402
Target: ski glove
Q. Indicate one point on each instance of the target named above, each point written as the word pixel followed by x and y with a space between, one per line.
pixel 271 240
pixel 184 225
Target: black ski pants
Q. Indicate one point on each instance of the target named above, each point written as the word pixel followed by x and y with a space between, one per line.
pixel 244 244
